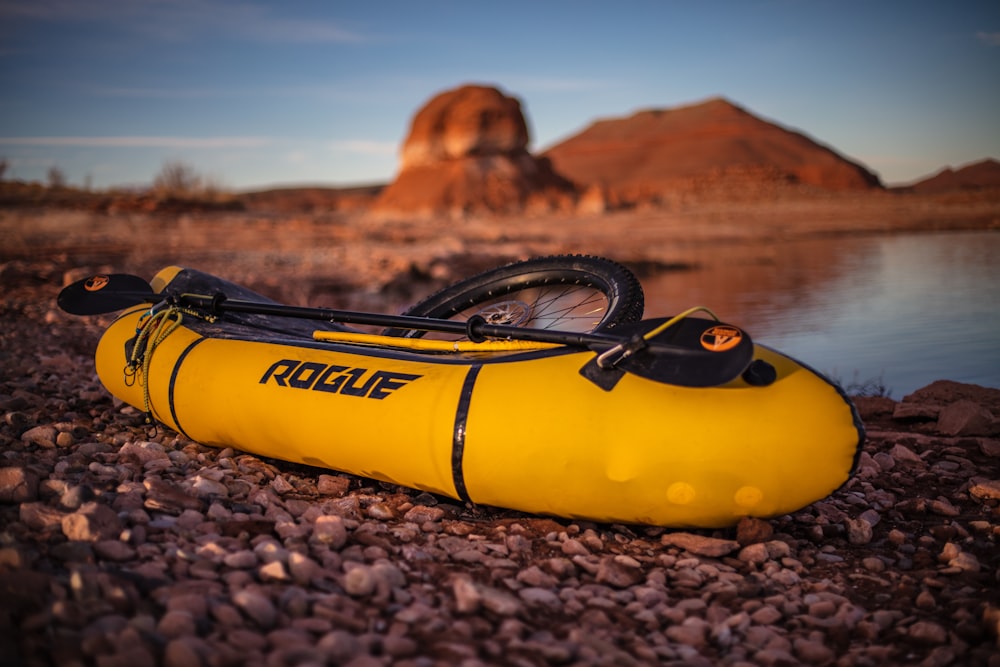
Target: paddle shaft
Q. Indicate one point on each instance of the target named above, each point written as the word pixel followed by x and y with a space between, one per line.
pixel 475 328
pixel 108 293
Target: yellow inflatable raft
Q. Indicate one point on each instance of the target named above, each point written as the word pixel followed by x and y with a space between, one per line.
pixel 526 429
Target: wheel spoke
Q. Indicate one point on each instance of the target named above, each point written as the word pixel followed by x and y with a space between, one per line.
pixel 562 307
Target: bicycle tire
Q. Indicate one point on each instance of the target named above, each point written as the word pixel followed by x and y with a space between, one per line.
pixel 579 293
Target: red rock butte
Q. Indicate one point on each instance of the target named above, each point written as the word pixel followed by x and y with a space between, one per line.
pixel 467 149
pixel 661 149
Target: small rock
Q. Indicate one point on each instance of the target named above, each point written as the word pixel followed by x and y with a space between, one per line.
pixel 965 561
pixel 302 568
pixel 269 551
pixel 191 603
pixel 257 607
pixel 540 597
pixel 142 452
pixel 39 516
pixel 692 631
pixel 359 582
pixel 942 507
pixel 186 651
pixel 989 447
pixel 467 596
pixel 751 530
pixel 766 616
pixel 615 571
pixel 500 603
pixel 754 554
pixel 928 632
pixel 330 530
pixel 985 489
pixel 698 545
pixel 813 652
pixel 332 485
pixel 44 436
pixel 281 485
pixel 169 498
pixel 873 564
pixel 965 418
pixel 387 576
pixel 380 512
pixel 884 461
pixel 206 488
pixel 991 622
pixel 340 647
pixel 240 560
pixel 574 547
pixel 905 455
pixel 75 496
pixel 92 522
pixel 859 531
pixel 396 646
pixel 534 576
pixel 114 550
pixel 823 608
pixel 176 624
pixel 18 485
pixel 422 514
pixel 873 406
pixel 273 571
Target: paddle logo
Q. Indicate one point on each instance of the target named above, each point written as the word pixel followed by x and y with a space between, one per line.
pixel 721 338
pixel 96 283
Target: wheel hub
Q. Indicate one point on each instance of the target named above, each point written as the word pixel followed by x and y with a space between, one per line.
pixel 509 313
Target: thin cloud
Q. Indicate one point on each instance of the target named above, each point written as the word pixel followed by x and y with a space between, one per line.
pixel 365 147
pixel 180 20
pixel 317 91
pixel 989 38
pixel 139 142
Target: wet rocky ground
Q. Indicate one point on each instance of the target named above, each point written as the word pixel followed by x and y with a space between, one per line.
pixel 123 546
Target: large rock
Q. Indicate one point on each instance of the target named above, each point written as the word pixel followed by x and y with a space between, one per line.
pixel 471 121
pixel 466 152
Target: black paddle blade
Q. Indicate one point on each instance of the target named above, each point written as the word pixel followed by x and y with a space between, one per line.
pixel 715 353
pixel 105 293
pixel 694 352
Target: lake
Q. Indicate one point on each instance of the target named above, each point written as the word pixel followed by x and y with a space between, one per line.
pixel 898 311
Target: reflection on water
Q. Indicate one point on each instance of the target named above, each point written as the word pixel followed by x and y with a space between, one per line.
pixel 903 310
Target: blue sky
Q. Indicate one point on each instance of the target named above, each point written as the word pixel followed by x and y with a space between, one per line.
pixel 255 94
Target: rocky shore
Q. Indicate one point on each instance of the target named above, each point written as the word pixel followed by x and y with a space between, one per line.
pixel 126 546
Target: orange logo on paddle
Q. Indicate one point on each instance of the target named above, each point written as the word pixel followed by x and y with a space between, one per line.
pixel 720 339
pixel 96 283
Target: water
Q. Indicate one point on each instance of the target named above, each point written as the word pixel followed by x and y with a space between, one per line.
pixel 899 311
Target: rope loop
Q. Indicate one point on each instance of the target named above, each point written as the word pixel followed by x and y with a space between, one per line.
pixel 153 328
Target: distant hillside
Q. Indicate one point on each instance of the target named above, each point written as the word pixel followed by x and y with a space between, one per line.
pixel 657 149
pixel 976 176
pixel 307 199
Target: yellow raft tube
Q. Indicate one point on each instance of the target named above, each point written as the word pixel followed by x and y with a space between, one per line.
pixel 519 430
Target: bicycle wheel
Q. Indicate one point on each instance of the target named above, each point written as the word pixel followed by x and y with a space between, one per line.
pixel 577 293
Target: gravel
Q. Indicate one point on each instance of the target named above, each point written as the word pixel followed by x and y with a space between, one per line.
pixel 122 545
